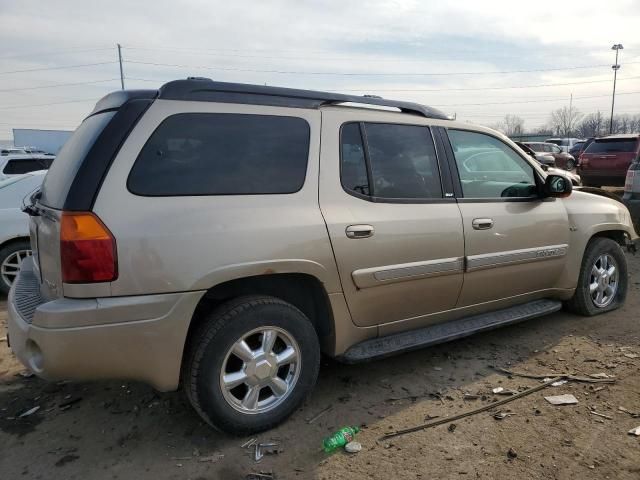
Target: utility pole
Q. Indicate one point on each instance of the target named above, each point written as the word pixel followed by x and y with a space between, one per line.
pixel 120 60
pixel 567 133
pixel 617 47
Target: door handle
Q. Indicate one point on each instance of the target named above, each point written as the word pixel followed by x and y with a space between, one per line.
pixel 482 223
pixel 359 231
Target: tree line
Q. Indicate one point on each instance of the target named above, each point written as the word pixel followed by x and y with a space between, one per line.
pixel 570 122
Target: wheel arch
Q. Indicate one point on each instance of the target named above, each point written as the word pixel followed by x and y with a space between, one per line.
pixel 306 292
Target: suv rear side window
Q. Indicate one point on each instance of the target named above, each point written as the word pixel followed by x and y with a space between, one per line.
pixel 489 168
pixel 222 154
pixel 613 146
pixel 401 159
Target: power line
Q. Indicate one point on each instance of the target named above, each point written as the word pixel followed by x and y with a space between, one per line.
pixel 93 100
pixel 56 68
pixel 377 74
pixel 57 85
pixel 526 101
pixel 401 90
pixel 56 52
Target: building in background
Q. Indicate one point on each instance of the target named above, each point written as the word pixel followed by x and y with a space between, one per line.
pixel 49 141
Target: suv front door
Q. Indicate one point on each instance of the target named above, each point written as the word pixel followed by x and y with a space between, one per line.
pixel 515 241
pixel 396 236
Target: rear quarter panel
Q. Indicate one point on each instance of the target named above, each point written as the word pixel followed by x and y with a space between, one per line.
pixel 186 243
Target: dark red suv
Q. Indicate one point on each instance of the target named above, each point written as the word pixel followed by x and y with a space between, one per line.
pixel 606 160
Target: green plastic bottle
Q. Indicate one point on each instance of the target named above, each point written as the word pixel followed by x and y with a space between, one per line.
pixel 340 438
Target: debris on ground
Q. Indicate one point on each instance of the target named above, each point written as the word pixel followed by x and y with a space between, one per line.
pixel 500 415
pixel 260 476
pixel 498 390
pixel 559 383
pixel 353 447
pixel 632 355
pixel 248 443
pixel 262 449
pixel 600 375
pixel 593 412
pixel 319 414
pixel 26 374
pixel 470 396
pixel 512 453
pixel 452 427
pixel 68 402
pixel 339 439
pixel 3 339
pixel 566 399
pixel 31 411
pixel 211 458
pixel 484 408
pixel 633 414
pixel 635 431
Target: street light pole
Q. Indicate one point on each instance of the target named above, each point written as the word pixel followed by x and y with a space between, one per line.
pixel 121 72
pixel 617 47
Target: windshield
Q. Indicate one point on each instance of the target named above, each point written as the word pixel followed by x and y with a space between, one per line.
pixel 614 145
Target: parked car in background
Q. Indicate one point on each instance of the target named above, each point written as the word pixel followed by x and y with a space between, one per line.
pixel 607 159
pixel 327 222
pixel 580 147
pixel 12 151
pixel 541 157
pixel 14 224
pixel 561 159
pixel 564 143
pixel 23 163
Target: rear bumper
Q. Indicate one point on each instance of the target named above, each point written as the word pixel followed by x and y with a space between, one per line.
pixel 134 338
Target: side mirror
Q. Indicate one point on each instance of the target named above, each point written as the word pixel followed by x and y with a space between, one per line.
pixel 557 186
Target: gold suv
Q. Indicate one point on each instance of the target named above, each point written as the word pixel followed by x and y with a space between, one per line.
pixel 220 236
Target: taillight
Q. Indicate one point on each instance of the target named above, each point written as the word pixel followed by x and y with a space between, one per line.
pixel 632 182
pixel 582 160
pixel 87 249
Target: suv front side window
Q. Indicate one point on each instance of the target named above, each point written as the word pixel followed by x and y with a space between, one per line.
pixel 395 162
pixel 489 168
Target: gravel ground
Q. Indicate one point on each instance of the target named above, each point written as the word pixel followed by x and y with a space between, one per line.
pixel 115 430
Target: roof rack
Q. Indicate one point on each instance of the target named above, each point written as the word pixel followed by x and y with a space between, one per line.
pixel 206 90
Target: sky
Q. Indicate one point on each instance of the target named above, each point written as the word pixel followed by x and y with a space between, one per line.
pixel 477 60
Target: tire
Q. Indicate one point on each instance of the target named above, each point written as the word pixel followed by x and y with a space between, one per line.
pixel 570 165
pixel 11 256
pixel 210 351
pixel 583 302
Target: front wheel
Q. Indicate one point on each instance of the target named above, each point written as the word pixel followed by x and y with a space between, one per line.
pixel 570 165
pixel 251 364
pixel 602 284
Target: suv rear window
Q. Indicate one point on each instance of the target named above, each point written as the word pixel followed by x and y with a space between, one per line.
pixel 613 145
pixel 222 154
pixel 63 170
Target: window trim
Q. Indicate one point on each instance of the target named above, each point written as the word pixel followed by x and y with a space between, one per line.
pixel 453 164
pixel 306 165
pixel 365 145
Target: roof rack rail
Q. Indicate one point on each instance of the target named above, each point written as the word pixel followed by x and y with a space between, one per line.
pixel 206 90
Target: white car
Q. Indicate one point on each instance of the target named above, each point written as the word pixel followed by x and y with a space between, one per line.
pixel 14 224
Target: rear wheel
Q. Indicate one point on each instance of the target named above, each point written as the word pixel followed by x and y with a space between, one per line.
pixel 251 364
pixel 11 257
pixel 602 285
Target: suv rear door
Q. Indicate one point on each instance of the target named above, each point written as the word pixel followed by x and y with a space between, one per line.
pixel 515 242
pixel 396 234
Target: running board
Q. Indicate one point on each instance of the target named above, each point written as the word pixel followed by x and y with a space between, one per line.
pixel 443 332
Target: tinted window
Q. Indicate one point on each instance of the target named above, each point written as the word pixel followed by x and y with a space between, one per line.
pixel 64 168
pixel 489 168
pixel 537 147
pixel 613 145
pixel 353 166
pixel 223 154
pixel 14 167
pixel 403 161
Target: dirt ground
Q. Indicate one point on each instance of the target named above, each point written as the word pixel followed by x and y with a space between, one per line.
pixel 115 430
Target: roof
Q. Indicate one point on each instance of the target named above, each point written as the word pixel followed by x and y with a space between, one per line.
pixel 206 90
pixel 620 136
